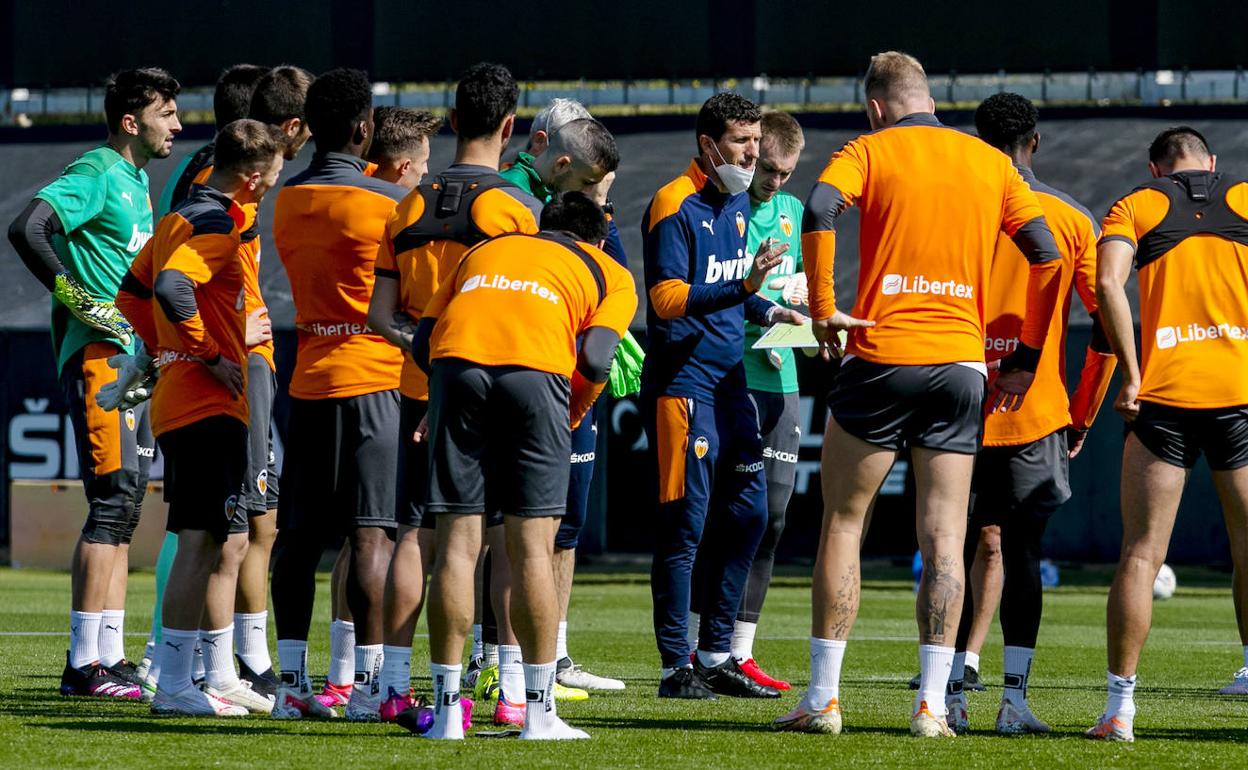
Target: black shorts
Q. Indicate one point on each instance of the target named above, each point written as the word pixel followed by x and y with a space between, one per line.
pixel 1178 435
pixel 1032 479
pixel 260 483
pixel 413 482
pixel 115 449
pixel 499 440
pixel 779 422
pixel 204 466
pixel 341 462
pixel 936 407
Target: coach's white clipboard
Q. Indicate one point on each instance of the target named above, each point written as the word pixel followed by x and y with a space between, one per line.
pixel 784 335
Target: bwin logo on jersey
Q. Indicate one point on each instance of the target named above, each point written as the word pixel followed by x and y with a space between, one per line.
pixel 138 239
pixel 728 269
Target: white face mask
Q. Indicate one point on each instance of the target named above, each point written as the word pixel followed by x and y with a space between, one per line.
pixel 734 178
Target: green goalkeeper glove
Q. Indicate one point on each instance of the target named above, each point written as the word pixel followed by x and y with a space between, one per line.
pixel 626 367
pixel 101 316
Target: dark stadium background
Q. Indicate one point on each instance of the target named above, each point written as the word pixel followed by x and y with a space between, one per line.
pixel 1096 154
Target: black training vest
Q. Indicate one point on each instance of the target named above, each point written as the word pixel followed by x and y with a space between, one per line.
pixel 1198 206
pixel 449 218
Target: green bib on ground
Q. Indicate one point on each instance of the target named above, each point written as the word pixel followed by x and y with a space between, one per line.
pixel 103 204
pixel 779 218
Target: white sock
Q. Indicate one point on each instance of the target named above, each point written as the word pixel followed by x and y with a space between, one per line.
pixel 665 672
pixel 561 641
pixel 826 656
pixel 177 647
pixel 199 670
pixel 218 647
pixel 84 638
pixel 478 648
pixel 1121 702
pixel 743 640
pixel 251 640
pixel 510 673
pixel 1017 672
pixel 153 673
pixel 396 670
pixel 539 694
pixel 368 663
pixel 695 623
pixel 149 651
pixel 292 661
pixel 490 651
pixel 448 717
pixel 935 663
pixel 341 653
pixel 972 661
pixel 712 659
pixel 957 673
pixel 112 637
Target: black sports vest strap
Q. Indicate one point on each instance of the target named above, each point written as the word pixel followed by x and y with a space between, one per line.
pixel 563 239
pixel 1198 206
pixel 449 218
pixel 569 243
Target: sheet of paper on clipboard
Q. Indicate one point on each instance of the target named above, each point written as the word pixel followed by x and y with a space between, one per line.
pixel 784 335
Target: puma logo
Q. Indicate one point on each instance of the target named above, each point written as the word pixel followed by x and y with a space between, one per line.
pixel 126 196
pixel 113 628
pixel 176 647
pixel 257 628
pixel 709 225
pixel 212 642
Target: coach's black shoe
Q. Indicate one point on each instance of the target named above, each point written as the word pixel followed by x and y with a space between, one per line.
pixel 685 684
pixel 728 679
pixel 265 683
pixel 970 681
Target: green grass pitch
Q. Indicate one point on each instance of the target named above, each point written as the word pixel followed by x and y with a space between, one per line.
pixel 1182 722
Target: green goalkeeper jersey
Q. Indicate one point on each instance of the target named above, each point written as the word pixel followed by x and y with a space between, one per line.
pixel 779 218
pixel 103 204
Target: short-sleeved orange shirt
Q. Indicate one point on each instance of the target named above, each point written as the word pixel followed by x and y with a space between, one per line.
pixel 522 300
pixel 412 253
pixel 1192 263
pixel 933 201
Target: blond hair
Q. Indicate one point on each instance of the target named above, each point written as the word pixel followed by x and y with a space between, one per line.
pixel 896 77
pixel 783 129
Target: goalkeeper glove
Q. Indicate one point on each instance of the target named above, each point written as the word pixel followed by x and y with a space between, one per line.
pixel 101 316
pixel 625 378
pixel 136 378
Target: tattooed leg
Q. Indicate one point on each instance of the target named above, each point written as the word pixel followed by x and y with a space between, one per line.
pixel 852 473
pixel 943 485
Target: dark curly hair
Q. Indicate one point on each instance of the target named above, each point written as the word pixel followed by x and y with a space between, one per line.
pixel 130 91
pixel 487 93
pixel 575 213
pixel 337 100
pixel 1007 121
pixel 723 109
